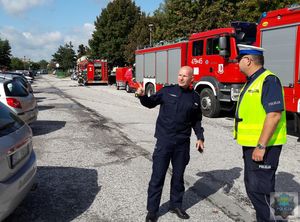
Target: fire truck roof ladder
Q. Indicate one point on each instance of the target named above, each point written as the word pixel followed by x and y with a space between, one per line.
pixel 294 7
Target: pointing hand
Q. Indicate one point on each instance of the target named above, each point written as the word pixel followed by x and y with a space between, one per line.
pixel 140 90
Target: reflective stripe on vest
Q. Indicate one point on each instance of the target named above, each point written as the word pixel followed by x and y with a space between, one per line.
pixel 253 115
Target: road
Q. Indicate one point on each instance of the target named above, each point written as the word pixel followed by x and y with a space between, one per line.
pixel 94 147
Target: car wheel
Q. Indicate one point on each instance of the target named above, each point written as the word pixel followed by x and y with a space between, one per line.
pixel 150 89
pixel 127 88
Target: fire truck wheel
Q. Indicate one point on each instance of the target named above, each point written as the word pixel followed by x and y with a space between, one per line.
pixel 127 88
pixel 210 106
pixel 118 87
pixel 150 89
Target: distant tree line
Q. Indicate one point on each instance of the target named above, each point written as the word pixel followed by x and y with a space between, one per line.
pixel 122 27
pixel 8 62
pixel 5 54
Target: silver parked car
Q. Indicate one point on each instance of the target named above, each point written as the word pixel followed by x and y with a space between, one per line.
pixel 17 161
pixel 19 99
pixel 19 76
pixel 28 74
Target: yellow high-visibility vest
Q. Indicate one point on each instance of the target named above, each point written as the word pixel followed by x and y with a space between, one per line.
pixel 252 116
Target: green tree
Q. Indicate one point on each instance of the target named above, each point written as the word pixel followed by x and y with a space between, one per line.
pixel 180 18
pixel 65 56
pixel 16 63
pixel 175 19
pixel 43 64
pixel 138 38
pixel 82 50
pixel 112 28
pixel 5 54
pixel 34 65
pixel 215 14
pixel 252 10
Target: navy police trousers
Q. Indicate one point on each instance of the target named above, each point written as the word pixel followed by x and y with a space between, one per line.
pixel 260 180
pixel 164 153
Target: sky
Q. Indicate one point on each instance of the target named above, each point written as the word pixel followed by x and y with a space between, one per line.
pixel 36 28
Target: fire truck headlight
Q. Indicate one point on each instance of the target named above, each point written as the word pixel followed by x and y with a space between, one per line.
pixel 235 94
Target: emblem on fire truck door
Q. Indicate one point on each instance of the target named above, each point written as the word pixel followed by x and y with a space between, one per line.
pixel 220 69
pixel 196 70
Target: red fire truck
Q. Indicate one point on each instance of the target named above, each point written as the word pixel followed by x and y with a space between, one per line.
pixel 279 34
pixel 125 79
pixel 212 55
pixel 120 77
pixel 92 71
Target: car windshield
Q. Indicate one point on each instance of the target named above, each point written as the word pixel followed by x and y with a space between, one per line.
pixel 15 88
pixel 8 121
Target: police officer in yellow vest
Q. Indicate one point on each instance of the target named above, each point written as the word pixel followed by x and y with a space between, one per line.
pixel 260 128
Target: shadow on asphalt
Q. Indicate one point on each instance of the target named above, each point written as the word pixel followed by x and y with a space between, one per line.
pixel 41 127
pixel 42 108
pixel 285 182
pixel 40 99
pixel 62 194
pixel 210 183
pixel 292 129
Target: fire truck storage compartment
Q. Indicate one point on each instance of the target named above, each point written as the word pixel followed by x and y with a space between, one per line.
pixel 167 63
pixel 139 67
pixel 161 67
pixel 280 46
pixel 174 64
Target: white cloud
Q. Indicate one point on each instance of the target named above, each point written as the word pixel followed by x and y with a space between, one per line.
pixel 20 6
pixel 37 46
pixel 80 35
pixel 32 45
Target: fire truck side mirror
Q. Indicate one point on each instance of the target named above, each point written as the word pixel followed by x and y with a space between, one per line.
pixel 224 51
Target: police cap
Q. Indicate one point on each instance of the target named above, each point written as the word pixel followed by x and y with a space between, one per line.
pixel 249 50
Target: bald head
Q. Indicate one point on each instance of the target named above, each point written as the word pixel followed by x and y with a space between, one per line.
pixel 185 76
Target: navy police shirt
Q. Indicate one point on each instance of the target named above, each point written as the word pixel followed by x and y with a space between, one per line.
pixel 179 112
pixel 272 97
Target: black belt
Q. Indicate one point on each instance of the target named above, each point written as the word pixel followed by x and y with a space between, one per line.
pixel 237 120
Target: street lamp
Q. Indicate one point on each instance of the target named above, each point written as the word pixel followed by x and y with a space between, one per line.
pixel 24 61
pixel 150 29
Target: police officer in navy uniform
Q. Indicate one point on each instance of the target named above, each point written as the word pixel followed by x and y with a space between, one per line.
pixel 260 127
pixel 179 112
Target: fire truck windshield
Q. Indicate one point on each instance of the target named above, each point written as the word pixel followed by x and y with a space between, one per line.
pixel 245 32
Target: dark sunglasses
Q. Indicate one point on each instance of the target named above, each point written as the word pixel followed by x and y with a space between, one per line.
pixel 239 58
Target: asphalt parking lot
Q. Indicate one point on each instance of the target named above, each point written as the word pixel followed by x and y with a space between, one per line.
pixel 94 147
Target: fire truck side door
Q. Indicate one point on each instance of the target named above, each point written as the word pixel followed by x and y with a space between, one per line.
pixel 214 63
